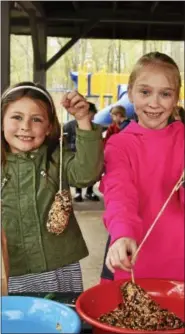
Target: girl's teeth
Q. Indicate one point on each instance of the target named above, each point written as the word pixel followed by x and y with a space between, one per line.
pixel 25 138
pixel 153 115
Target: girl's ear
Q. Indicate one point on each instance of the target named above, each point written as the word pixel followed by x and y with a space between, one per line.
pixel 49 130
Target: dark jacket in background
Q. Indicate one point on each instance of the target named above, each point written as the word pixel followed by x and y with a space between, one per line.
pixel 70 134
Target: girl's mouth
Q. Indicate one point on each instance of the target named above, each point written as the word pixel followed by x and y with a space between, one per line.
pixel 25 138
pixel 153 115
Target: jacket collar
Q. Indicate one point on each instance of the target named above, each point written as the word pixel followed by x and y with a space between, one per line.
pixel 27 155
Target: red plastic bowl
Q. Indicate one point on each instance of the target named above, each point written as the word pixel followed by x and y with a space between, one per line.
pixel 103 298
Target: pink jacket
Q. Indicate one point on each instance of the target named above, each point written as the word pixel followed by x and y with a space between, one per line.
pixel 142 167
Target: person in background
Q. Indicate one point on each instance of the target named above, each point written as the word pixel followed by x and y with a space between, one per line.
pixel 143 163
pixel 70 138
pixel 39 259
pixel 120 121
pixel 179 114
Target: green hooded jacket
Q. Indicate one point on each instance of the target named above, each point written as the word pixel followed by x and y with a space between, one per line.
pixel 29 184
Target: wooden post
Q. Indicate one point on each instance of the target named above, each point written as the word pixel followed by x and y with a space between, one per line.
pixel 5 42
pixel 4 265
pixel 39 42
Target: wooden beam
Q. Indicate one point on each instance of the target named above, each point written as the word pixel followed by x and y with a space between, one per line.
pixel 69 44
pixel 152 10
pixel 154 6
pixel 33 5
pixel 34 35
pixel 75 5
pixel 107 14
pixel 112 19
pixel 114 4
pixel 5 44
pixel 39 73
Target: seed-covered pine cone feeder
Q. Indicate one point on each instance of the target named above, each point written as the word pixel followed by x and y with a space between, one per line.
pixel 58 217
pixel 59 213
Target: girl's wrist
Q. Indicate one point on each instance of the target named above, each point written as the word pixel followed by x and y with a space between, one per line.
pixel 84 124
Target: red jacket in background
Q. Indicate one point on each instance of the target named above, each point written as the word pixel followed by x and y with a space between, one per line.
pixel 112 129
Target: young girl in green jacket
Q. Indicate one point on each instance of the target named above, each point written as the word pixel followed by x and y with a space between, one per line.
pixel 41 260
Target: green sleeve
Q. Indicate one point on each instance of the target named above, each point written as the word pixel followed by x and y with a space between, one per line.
pixel 84 167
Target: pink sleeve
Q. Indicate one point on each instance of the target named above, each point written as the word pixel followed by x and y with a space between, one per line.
pixel 121 216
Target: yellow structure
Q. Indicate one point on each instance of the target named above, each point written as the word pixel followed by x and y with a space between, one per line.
pixel 102 84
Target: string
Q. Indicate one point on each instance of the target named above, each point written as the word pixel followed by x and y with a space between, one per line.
pixel 176 187
pixel 132 276
pixel 61 149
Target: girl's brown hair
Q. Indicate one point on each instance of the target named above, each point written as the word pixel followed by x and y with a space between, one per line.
pixel 156 58
pixel 118 110
pixel 52 140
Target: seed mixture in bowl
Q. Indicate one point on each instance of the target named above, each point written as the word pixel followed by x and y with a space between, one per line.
pixel 139 311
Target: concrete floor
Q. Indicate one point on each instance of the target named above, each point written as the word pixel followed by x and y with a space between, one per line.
pixel 89 216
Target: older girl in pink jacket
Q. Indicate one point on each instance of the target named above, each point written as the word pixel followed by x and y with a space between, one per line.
pixel 143 163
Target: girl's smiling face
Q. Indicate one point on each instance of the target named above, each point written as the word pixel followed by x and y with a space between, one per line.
pixel 25 125
pixel 154 96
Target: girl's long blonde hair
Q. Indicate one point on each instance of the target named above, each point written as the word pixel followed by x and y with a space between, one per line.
pixel 156 58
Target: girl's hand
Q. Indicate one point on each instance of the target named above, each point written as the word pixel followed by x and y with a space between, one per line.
pixel 76 105
pixel 120 254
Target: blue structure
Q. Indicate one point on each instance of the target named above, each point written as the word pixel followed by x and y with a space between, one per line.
pixel 74 78
pixel 103 116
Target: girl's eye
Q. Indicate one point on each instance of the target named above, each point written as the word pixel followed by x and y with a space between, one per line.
pixel 18 117
pixel 145 92
pixel 36 119
pixel 165 94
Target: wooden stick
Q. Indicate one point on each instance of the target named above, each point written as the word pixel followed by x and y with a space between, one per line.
pixel 176 187
pixel 132 276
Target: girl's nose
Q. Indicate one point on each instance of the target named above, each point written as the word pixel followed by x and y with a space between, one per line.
pixel 25 126
pixel 154 101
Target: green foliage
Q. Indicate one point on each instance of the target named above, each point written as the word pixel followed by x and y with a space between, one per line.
pixel 113 55
pixel 21 59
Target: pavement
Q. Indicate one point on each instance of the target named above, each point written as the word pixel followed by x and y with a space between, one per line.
pixel 89 215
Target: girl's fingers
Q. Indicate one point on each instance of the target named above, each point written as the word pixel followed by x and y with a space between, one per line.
pixel 109 265
pixel 124 262
pixel 64 98
pixel 66 103
pixel 71 95
pixel 124 258
pixel 133 249
pixel 75 100
pixel 81 104
pixel 114 258
pixel 74 97
pixel 120 255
